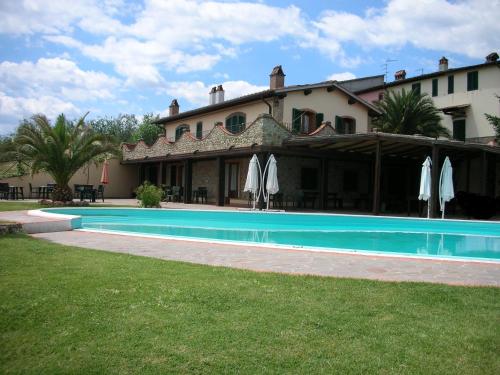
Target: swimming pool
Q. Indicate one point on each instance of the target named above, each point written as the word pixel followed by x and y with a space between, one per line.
pixel 451 239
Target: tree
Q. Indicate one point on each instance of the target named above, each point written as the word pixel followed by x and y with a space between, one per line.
pixel 495 122
pixel 122 127
pixel 147 130
pixel 409 112
pixel 60 150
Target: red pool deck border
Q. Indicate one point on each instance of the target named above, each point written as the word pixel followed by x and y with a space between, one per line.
pixel 302 262
pixel 267 259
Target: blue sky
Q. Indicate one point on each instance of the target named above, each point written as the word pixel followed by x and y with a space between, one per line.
pixel 116 56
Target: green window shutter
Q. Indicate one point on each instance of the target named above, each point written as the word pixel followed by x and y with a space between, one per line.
pixel 199 130
pixel 459 130
pixel 472 81
pixel 416 87
pixel 451 84
pixel 296 120
pixel 241 123
pixel 435 87
pixel 339 125
pixel 319 119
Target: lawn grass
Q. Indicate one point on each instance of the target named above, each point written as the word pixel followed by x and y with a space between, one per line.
pixel 71 310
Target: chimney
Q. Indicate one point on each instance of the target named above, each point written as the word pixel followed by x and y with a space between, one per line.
pixel 399 75
pixel 492 57
pixel 277 78
pixel 443 64
pixel 211 96
pixel 219 94
pixel 173 108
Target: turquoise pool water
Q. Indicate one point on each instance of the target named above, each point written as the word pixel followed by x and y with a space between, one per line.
pixel 416 237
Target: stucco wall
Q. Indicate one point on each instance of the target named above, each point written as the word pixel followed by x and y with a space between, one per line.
pixel 331 104
pixel 122 179
pixel 252 111
pixel 481 101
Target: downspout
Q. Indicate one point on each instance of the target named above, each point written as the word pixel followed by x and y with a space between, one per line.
pixel 269 105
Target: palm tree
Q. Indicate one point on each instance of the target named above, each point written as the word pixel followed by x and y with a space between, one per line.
pixel 409 112
pixel 60 150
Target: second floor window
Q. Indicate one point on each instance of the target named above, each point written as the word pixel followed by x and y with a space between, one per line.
pixel 416 87
pixel 305 121
pixel 180 130
pixel 345 125
pixel 472 80
pixel 451 84
pixel 199 130
pixel 235 123
pixel 435 87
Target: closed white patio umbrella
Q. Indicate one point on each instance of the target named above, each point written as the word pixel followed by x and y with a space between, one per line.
pixel 425 184
pixel 272 186
pixel 252 182
pixel 446 192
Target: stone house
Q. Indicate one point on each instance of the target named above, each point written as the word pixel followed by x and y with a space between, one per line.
pixel 321 134
pixel 463 94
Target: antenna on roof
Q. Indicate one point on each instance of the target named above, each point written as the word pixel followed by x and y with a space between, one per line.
pixel 385 65
pixel 421 70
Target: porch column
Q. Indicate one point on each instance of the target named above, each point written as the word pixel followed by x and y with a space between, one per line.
pixel 434 199
pixel 323 184
pixel 160 174
pixel 376 178
pixel 221 182
pixel 188 181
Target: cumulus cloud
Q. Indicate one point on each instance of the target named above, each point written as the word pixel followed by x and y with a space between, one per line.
pixel 57 77
pixel 196 92
pixel 465 27
pixel 50 86
pixel 344 76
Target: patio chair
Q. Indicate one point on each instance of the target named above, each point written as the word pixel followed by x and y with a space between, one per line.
pixel 201 194
pixel 100 192
pixel 276 200
pixel 176 193
pixel 33 191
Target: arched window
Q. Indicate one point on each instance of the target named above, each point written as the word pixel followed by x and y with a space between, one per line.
pixel 235 122
pixel 181 129
pixel 305 120
pixel 345 125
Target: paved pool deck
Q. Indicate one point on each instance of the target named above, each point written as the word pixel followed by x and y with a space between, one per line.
pixel 263 259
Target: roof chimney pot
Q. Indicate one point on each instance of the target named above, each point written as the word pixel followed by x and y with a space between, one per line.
pixel 211 96
pixel 443 64
pixel 492 57
pixel 399 75
pixel 173 108
pixel 277 78
pixel 219 94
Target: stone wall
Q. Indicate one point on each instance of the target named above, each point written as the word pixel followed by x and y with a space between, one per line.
pixel 263 131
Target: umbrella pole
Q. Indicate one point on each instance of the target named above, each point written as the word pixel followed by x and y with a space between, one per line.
pixel 428 210
pixel 442 214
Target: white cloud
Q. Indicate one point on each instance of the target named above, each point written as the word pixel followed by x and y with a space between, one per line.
pixel 467 27
pixel 15 108
pixel 181 36
pixel 196 92
pixel 58 77
pixel 50 86
pixel 344 76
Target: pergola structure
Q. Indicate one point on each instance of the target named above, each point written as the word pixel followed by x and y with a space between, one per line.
pixel 375 147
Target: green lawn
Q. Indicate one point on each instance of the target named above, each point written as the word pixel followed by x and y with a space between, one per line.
pixel 71 310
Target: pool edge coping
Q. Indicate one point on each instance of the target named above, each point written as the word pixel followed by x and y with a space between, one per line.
pixel 75 221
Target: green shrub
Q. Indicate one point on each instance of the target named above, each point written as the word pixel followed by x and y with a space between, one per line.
pixel 149 195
